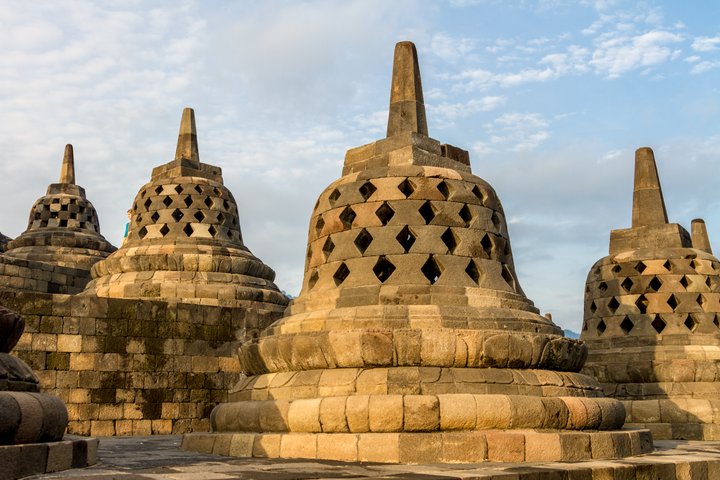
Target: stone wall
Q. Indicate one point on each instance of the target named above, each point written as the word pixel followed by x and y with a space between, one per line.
pixel 133 367
pixel 33 276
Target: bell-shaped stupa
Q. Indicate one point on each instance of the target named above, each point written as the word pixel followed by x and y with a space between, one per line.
pixel 411 340
pixel 184 242
pixel 652 318
pixel 63 228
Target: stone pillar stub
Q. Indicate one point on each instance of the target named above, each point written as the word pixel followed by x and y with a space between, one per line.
pixel 648 202
pixel 67 172
pixel 187 144
pixel 700 239
pixel 407 107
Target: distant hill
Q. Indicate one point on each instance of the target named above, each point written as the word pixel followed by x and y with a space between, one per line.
pixel 571 334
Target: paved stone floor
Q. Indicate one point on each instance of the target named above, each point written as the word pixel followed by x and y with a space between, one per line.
pixel 160 458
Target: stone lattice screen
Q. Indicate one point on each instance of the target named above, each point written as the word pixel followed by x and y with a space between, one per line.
pixel 132 367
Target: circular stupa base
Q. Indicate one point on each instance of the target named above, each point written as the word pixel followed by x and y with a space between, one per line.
pixel 428 447
pixel 677 418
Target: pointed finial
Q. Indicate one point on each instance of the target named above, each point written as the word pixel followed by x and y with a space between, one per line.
pixel 407 107
pixel 648 204
pixel 187 145
pixel 67 171
pixel 700 239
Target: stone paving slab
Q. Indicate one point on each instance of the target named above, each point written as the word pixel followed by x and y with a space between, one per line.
pixel 160 458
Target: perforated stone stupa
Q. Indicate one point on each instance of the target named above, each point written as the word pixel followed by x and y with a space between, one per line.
pixel 61 243
pixel 652 318
pixel 184 242
pixel 411 340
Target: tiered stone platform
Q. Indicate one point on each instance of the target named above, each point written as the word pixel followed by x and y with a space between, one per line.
pixel 652 319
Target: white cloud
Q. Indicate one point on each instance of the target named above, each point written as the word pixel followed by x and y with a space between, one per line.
pixel 704 66
pixel 514 132
pixel 706 44
pixel 619 54
pixel 450 48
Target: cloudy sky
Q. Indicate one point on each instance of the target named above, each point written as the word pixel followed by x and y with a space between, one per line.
pixel 551 98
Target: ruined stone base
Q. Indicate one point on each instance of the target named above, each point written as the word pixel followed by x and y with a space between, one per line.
pixel 432 447
pixel 22 460
pixel 676 419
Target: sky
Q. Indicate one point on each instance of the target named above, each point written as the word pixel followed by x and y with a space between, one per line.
pixel 550 97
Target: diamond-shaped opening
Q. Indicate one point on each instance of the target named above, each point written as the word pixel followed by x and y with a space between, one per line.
pixel 341 274
pixel 164 230
pixel 684 281
pixel 226 205
pixel 584 326
pixel 450 240
pixel 220 218
pixel 472 271
pixel 655 284
pixel 495 220
pixel 406 238
pixel 593 307
pixel 627 284
pixel 616 268
pixel 328 247
pixel 613 305
pixel 642 303
pixel 200 216
pixel 367 190
pixel 444 189
pixel 508 276
pixel 667 265
pixel 690 323
pixel 708 282
pixel 177 214
pixel 138 219
pixel 478 193
pixel 427 211
pixel 188 230
pixel 487 245
pixel 212 230
pixel 155 216
pixel 198 189
pixel 658 324
pixel 626 325
pixel 640 267
pixel 167 201
pixel 217 192
pixel 716 321
pixel 431 269
pixel 385 213
pixel 347 216
pixel 334 195
pixel 602 286
pixel 466 215
pixel 158 190
pixel 55 200
pixel 319 225
pixel 142 232
pixel 188 201
pixel 363 240
pixel 694 264
pixel 406 187
pixel 178 188
pixel 700 300
pixel 208 202
pixel 672 301
pixel 312 280
pixel 143 193
pixel 383 269
pixel 601 327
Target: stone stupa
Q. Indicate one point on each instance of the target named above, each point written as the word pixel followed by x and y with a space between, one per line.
pixel 63 228
pixel 652 318
pixel 411 340
pixel 184 242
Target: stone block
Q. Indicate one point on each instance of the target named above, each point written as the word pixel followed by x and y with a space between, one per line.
pixel 505 446
pixel 304 416
pixel 337 446
pixel 542 447
pixel 493 411
pixel 385 413
pixel 60 455
pixel 464 447
pixel 241 445
pixel 457 411
pixel 421 413
pixel 267 445
pixel 332 415
pixel 575 447
pixel 379 447
pixel 357 413
pixel 298 445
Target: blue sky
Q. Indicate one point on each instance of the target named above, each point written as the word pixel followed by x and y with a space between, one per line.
pixel 551 98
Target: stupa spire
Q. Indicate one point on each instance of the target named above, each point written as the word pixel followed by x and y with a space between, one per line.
pixel 67 171
pixel 407 107
pixel 648 204
pixel 700 239
pixel 187 145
